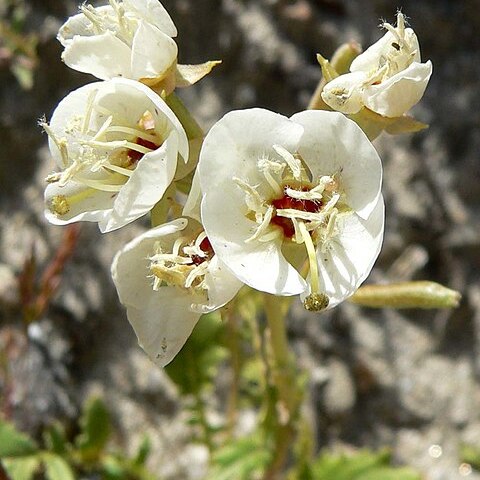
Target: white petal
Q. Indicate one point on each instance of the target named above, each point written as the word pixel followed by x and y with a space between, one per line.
pixel 146 186
pixel 237 141
pixel 369 60
pixel 160 110
pixel 152 11
pixel 333 144
pixel 353 252
pixel 153 52
pixel 260 265
pixel 80 25
pixel 232 149
pixel 345 93
pixel 90 206
pixel 222 285
pixel 395 96
pixel 130 268
pixel 105 56
pixel 163 325
pixel 192 204
pixel 162 319
pixel 73 105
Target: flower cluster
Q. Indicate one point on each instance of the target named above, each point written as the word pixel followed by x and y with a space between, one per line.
pixel 287 206
pixel 388 78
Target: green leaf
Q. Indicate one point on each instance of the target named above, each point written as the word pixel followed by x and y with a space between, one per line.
pixel 196 364
pixel 113 468
pixel 143 451
pixel 21 468
pixel 241 459
pixel 95 429
pixel 470 454
pixel 390 473
pixel 56 468
pixel 14 443
pixel 54 438
pixel 363 465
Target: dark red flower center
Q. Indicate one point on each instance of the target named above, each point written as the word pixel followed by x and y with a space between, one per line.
pixel 135 156
pixel 206 247
pixel 286 201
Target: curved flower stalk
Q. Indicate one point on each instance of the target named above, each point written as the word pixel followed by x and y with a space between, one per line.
pixel 388 78
pixel 167 278
pixel 128 38
pixel 116 144
pixel 280 193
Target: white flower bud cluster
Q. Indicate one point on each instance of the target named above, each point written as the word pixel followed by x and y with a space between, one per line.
pixel 288 206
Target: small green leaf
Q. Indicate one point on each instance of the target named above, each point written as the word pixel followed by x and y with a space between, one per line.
pixel 196 364
pixel 56 468
pixel 95 429
pixel 14 443
pixel 470 454
pixel 363 465
pixel 390 473
pixel 113 468
pixel 143 451
pixel 54 438
pixel 21 468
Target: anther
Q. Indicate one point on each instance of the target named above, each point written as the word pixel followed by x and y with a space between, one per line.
pixel 59 205
pixel 316 302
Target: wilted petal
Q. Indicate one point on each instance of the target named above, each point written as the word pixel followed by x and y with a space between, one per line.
pixel 398 94
pixel 345 93
pixel 104 56
pixel 152 11
pixel 153 52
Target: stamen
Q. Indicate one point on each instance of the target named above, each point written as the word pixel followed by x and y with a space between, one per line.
pixel 99 185
pixel 59 205
pixel 104 128
pixel 312 258
pixel 119 144
pixel 61 144
pixel 88 111
pixel 136 133
pixel 301 215
pixel 159 258
pixel 266 166
pixel 313 194
pixel 115 168
pixel 293 163
pixel 316 302
pixel 198 271
pixel 252 198
pixel 92 15
pixel 262 228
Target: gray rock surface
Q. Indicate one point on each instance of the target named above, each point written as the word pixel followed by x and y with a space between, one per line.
pixel 407 379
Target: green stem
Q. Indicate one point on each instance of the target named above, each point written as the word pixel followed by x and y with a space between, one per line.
pixel 284 377
pixel 202 418
pixel 159 212
pixel 192 128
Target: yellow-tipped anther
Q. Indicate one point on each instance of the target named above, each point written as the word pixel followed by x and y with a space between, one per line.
pixel 316 302
pixel 59 205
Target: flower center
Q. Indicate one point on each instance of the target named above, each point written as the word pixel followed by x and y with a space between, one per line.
pixel 288 202
pixel 301 210
pixel 185 267
pixel 101 158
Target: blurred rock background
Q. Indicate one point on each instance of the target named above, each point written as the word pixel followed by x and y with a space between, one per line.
pixel 403 379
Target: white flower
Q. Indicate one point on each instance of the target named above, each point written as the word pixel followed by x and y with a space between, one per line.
pixel 388 78
pixel 285 196
pixel 129 38
pixel 167 278
pixel 116 144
